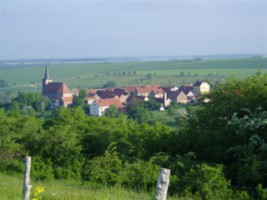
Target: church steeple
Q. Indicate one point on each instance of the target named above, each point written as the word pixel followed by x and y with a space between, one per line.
pixel 46 76
pixel 46 79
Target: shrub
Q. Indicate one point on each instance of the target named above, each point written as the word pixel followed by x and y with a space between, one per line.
pixel 140 175
pixel 41 168
pixel 104 169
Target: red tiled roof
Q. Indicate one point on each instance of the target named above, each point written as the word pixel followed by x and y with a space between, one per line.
pixel 149 88
pixel 130 88
pixel 158 90
pixel 56 88
pixel 67 99
pixel 91 91
pixel 143 89
pixel 108 102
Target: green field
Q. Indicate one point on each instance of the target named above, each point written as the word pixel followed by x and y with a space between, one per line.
pixel 11 189
pixel 89 75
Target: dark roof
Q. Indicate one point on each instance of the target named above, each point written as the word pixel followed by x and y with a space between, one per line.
pixel 198 83
pixel 167 88
pixel 56 88
pixel 46 76
pixel 172 95
pixel 111 92
pixel 120 91
pixel 139 98
pixel 186 89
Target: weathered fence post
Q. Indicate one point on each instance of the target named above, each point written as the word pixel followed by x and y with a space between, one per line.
pixel 163 184
pixel 26 183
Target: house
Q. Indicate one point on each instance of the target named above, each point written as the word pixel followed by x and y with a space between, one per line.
pixel 201 87
pixel 99 106
pixel 148 90
pixel 169 88
pixel 122 94
pixel 107 93
pixel 178 96
pixel 143 91
pixel 131 89
pixel 57 92
pixel 91 98
pixel 188 90
pixel 75 91
pixel 157 92
pixel 182 98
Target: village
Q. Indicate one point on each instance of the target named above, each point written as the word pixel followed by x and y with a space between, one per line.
pixel 100 100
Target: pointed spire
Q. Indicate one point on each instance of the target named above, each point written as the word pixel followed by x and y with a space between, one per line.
pixel 46 73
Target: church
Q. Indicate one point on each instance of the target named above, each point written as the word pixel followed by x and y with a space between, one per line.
pixel 57 92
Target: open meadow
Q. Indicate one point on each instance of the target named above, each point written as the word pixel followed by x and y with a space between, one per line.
pixel 95 75
pixel 11 189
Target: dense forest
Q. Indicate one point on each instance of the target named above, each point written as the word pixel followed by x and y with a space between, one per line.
pixel 217 151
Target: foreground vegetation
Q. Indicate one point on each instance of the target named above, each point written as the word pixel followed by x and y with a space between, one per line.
pixel 11 188
pixel 218 150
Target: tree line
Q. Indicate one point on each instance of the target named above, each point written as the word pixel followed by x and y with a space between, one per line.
pixel 218 151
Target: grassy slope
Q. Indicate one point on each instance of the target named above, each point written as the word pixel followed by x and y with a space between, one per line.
pixel 11 189
pixel 166 73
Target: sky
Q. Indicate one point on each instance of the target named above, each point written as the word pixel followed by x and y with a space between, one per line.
pixel 131 28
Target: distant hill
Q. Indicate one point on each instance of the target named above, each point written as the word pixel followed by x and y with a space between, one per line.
pixel 42 61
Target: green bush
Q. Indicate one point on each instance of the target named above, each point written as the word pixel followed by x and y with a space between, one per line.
pixel 206 182
pixel 104 169
pixel 140 175
pixel 41 169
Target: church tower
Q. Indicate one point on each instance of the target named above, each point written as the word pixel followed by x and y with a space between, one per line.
pixel 46 79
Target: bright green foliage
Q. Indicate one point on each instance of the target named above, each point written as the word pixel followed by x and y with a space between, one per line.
pixel 112 112
pixel 8 135
pixel 138 111
pixel 215 140
pixel 29 103
pixel 80 99
pixel 41 168
pixel 11 145
pixel 233 96
pixel 151 104
pixel 140 175
pixel 250 150
pixel 104 169
pixel 207 132
pixel 206 182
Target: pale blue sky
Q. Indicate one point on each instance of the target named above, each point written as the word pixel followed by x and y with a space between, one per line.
pixel 98 28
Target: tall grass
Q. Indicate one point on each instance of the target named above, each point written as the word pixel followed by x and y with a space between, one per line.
pixel 11 189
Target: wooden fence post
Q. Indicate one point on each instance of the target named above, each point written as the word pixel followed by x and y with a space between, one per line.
pixel 163 184
pixel 26 183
